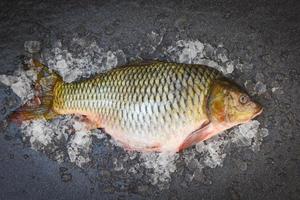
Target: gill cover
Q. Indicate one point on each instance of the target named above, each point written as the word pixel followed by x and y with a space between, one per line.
pixel 216 102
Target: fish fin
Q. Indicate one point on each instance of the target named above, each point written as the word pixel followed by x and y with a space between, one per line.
pixel 91 121
pixel 203 133
pixel 151 148
pixel 41 105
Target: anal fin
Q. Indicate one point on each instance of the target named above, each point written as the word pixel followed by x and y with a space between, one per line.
pixel 91 122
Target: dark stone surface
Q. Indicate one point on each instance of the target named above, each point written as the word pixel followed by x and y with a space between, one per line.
pixel 264 33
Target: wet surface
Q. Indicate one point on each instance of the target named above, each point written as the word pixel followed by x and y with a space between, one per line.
pixel 256 44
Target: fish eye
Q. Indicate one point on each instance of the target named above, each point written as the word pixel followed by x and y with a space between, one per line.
pixel 244 99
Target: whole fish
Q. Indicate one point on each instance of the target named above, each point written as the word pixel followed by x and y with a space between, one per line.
pixel 152 106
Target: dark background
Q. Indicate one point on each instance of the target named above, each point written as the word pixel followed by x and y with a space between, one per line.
pixel 264 33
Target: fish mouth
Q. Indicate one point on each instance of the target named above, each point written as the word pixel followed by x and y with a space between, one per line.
pixel 259 110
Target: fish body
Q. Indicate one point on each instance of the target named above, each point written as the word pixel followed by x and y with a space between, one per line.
pixel 156 106
pixel 148 106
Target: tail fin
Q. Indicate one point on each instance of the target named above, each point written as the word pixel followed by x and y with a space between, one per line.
pixel 41 105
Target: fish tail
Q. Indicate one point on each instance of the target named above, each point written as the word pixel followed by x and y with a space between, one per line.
pixel 41 106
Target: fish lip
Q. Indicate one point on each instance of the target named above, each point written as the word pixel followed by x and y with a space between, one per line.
pixel 258 112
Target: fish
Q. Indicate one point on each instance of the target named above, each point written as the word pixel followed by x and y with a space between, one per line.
pixel 152 106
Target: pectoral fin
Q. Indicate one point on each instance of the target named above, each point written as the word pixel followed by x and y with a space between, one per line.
pixel 205 132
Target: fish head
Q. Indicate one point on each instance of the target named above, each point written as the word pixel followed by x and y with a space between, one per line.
pixel 230 104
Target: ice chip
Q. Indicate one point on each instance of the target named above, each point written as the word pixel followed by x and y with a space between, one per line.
pixel 208 51
pixel 222 54
pixel 264 132
pixel 118 165
pixel 260 88
pixel 111 60
pixel 32 46
pixel 154 39
pixel 229 67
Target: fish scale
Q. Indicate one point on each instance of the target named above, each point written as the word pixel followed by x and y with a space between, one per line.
pixel 141 103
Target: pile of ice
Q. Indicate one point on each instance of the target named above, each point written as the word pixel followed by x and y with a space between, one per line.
pixel 250 135
pixel 62 139
pixel 196 52
pixel 81 58
pixel 162 165
pixel 20 83
pixel 65 138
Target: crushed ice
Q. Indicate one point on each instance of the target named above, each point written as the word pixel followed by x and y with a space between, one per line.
pixel 196 52
pixel 62 133
pixel 162 164
pixel 20 83
pixel 65 138
pixel 81 59
pixel 250 135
